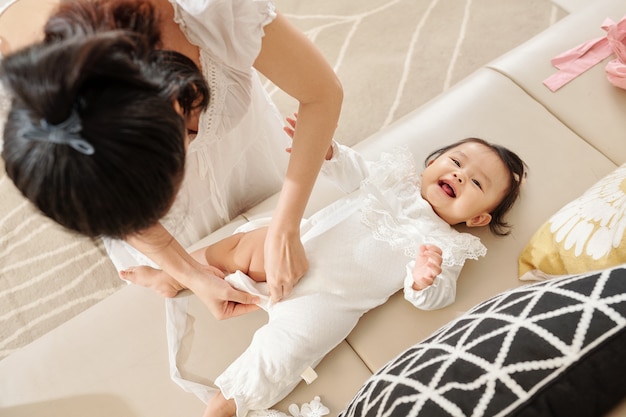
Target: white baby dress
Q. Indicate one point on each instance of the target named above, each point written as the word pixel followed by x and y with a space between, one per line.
pixel 361 250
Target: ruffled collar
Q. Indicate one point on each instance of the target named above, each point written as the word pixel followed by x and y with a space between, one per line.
pixel 398 214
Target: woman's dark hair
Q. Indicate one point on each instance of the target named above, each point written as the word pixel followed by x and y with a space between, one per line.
pixel 517 173
pixel 87 17
pixel 137 137
pixel 82 18
pixel 92 137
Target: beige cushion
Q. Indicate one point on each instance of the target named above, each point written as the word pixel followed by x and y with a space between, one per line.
pixel 590 105
pixel 585 235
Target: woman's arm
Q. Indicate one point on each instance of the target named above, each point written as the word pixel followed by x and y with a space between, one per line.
pixel 222 300
pixel 295 65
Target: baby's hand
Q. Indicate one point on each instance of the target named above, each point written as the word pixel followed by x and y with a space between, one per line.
pixel 291 130
pixel 427 266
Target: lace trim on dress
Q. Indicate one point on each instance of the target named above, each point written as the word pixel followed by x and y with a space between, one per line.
pixel 207 132
pixel 200 150
pixel 397 214
pixel 315 408
pixel 217 99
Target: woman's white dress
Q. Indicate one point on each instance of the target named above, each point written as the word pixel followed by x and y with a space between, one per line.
pixel 238 157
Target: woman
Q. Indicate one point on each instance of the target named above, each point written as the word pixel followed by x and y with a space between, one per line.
pixel 229 166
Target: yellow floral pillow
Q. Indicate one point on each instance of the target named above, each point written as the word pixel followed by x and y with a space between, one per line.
pixel 585 235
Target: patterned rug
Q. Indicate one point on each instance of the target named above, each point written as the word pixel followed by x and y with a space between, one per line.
pixel 391 56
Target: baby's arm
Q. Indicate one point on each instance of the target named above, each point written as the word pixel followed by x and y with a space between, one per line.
pixel 345 166
pixel 428 285
pixel 427 267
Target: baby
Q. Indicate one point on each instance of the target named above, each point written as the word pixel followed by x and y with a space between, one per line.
pixel 393 230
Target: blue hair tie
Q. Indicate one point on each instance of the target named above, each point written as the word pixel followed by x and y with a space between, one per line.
pixel 64 133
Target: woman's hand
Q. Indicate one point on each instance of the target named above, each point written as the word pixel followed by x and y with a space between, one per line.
pixel 180 270
pixel 285 261
pixel 222 300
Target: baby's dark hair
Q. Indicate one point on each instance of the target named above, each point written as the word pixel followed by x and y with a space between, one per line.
pixel 517 173
pixel 92 137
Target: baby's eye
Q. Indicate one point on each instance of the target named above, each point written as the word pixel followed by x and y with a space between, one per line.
pixel 456 162
pixel 477 183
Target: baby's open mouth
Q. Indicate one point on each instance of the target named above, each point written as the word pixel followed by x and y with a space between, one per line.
pixel 447 189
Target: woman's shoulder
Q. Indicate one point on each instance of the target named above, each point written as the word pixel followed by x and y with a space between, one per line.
pixel 22 22
pixel 229 30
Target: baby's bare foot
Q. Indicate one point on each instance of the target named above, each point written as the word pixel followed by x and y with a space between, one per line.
pixel 152 278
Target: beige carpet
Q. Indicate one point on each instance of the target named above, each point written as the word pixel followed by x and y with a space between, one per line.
pixel 391 55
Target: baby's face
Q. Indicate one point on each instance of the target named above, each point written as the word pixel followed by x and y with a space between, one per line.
pixel 465 184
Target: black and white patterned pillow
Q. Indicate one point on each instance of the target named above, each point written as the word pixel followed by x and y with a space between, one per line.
pixel 556 348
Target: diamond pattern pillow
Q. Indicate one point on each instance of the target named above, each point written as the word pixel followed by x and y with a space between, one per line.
pixel 555 348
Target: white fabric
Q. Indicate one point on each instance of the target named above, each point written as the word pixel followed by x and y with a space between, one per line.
pixel 355 265
pixel 238 157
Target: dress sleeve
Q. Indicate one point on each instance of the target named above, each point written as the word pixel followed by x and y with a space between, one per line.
pixel 229 30
pixel 347 168
pixel 440 294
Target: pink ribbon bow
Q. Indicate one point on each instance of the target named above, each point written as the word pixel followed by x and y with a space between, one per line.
pixel 577 60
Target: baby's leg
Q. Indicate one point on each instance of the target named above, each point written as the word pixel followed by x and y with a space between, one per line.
pixel 218 406
pixel 241 251
pixel 300 332
pixel 159 280
pixel 156 279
